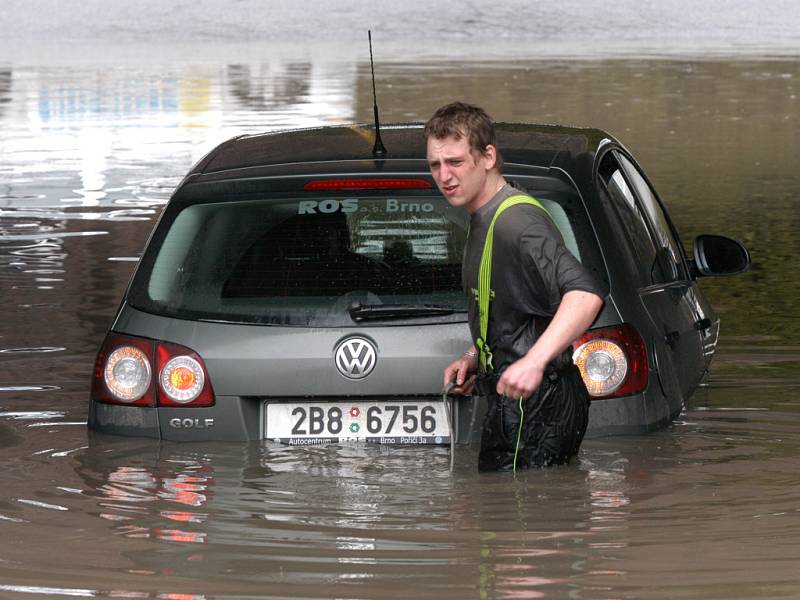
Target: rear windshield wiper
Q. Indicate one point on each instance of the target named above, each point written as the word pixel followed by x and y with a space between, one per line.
pixel 361 312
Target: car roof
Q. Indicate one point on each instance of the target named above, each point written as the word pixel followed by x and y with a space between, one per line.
pixel 285 151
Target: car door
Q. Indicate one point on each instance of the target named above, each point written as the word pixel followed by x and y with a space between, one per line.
pixel 665 288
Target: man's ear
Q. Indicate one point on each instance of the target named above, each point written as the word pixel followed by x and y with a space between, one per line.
pixel 490 155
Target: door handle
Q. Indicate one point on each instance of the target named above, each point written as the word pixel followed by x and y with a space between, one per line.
pixel 671 338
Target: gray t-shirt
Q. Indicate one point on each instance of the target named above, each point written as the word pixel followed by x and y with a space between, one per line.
pixel 531 271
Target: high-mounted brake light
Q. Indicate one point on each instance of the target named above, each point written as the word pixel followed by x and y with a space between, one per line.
pixel 612 361
pixel 321 185
pixel 125 374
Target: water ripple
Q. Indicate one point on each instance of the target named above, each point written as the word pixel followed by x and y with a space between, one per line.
pixel 39 504
pixel 40 349
pixel 26 415
pixel 28 388
pixel 49 235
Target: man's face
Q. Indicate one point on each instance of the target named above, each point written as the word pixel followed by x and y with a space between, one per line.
pixel 461 175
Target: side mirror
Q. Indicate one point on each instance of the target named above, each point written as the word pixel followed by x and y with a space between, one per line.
pixel 717 255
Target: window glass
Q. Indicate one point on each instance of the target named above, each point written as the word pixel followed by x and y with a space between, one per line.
pixel 306 261
pixel 632 220
pixel 620 184
pixel 666 239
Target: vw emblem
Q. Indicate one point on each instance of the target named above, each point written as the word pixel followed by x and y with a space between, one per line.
pixel 355 357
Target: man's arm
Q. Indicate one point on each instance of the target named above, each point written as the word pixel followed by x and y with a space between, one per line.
pixel 575 314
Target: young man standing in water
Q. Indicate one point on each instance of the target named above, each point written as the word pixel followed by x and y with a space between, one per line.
pixel 528 299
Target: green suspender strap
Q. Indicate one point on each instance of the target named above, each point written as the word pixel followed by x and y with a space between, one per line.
pixel 485 277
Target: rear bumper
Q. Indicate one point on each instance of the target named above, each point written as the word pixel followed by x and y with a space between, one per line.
pixel 124 420
pixel 235 418
pixel 628 415
pixel 230 419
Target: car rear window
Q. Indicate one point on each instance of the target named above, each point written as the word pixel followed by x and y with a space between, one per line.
pixel 304 261
pixel 309 261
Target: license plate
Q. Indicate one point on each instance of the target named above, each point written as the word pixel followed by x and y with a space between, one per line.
pixel 310 424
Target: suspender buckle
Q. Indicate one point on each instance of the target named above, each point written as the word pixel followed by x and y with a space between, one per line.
pixel 485 355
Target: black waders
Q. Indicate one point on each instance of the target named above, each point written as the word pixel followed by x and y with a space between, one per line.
pixel 545 429
pixel 542 431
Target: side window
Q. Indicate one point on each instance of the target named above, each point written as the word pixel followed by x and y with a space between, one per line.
pixel 669 247
pixel 631 218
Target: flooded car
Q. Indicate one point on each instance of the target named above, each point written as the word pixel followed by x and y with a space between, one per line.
pixel 300 289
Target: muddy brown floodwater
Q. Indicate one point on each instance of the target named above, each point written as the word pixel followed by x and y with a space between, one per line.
pixel 707 508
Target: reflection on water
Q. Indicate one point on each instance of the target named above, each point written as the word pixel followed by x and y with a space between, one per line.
pixel 128 487
pixel 88 158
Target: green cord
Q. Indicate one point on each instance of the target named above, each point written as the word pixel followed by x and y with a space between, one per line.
pixel 519 432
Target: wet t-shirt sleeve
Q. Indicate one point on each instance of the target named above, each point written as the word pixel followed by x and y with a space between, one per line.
pixel 551 269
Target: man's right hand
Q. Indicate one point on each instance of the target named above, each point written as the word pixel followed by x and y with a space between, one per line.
pixel 464 371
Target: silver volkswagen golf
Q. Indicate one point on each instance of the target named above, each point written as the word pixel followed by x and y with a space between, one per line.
pixel 300 290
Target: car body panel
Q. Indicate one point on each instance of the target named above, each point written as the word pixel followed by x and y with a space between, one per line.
pixel 273 361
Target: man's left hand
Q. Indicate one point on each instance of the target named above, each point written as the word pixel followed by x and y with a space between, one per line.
pixel 521 379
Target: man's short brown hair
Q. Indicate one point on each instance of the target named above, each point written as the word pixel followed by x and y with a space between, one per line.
pixel 459 119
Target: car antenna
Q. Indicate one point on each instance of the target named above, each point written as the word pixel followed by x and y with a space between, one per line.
pixel 378 150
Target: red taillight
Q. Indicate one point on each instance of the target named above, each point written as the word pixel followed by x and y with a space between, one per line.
pixel 182 377
pixel 123 372
pixel 612 361
pixel 127 373
pixel 321 185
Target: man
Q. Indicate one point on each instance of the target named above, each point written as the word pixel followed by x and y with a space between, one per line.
pixel 534 300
